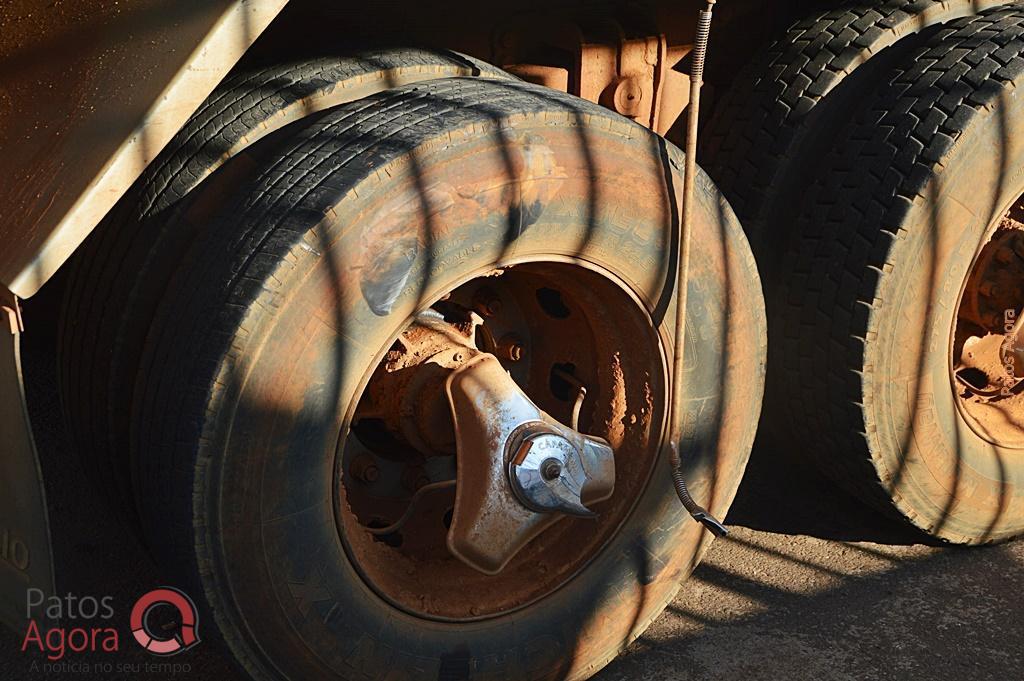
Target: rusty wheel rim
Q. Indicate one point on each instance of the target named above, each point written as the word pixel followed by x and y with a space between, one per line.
pixel 987 345
pixel 595 327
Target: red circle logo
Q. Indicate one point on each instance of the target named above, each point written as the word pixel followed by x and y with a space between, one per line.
pixel 157 642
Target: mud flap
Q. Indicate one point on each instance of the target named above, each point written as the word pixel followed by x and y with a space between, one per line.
pixel 26 557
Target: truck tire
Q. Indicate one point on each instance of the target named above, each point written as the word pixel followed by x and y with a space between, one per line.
pixel 121 271
pixel 763 144
pixel 886 290
pixel 272 328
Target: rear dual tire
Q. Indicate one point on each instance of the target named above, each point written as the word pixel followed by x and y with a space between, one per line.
pixel 298 284
pixel 873 204
pixel 909 194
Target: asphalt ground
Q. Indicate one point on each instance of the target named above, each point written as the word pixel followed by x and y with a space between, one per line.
pixel 809 585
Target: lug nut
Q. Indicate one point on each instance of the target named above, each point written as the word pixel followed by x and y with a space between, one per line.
pixel 510 348
pixel 988 289
pixel 415 477
pixel 364 469
pixel 486 302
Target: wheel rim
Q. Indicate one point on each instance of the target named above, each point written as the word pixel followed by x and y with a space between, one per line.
pixel 987 345
pixel 543 319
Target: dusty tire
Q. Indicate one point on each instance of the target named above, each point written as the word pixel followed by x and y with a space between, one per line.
pixel 122 270
pixel 767 136
pixel 909 194
pixel 264 337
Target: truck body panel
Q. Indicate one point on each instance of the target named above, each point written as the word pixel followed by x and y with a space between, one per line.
pixel 89 94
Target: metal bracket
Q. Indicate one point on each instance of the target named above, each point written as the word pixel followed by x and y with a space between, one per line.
pixel 630 73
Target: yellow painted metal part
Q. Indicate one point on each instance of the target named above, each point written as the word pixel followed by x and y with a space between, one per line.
pixel 90 92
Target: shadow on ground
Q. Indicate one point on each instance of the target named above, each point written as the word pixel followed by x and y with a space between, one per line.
pixel 812 585
pixel 784 495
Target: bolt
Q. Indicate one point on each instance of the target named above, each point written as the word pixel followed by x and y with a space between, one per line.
pixel 988 289
pixel 627 95
pixel 551 469
pixel 414 477
pixel 510 347
pixel 364 469
pixel 486 302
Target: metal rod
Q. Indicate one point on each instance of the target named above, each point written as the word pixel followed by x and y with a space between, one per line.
pixel 581 394
pixel 700 49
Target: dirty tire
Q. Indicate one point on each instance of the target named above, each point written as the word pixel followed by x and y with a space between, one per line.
pixel 887 235
pixel 266 333
pixel 123 268
pixel 769 130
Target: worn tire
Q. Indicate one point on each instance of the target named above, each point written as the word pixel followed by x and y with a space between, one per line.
pixel 767 136
pixel 123 268
pixel 265 333
pixel 886 238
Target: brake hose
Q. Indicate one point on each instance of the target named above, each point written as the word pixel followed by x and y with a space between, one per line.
pixel 700 48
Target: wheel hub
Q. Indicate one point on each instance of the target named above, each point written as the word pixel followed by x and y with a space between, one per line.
pixel 548 472
pixel 987 360
pixel 517 467
pixel 576 351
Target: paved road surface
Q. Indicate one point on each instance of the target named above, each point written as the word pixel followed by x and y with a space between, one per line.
pixel 808 586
